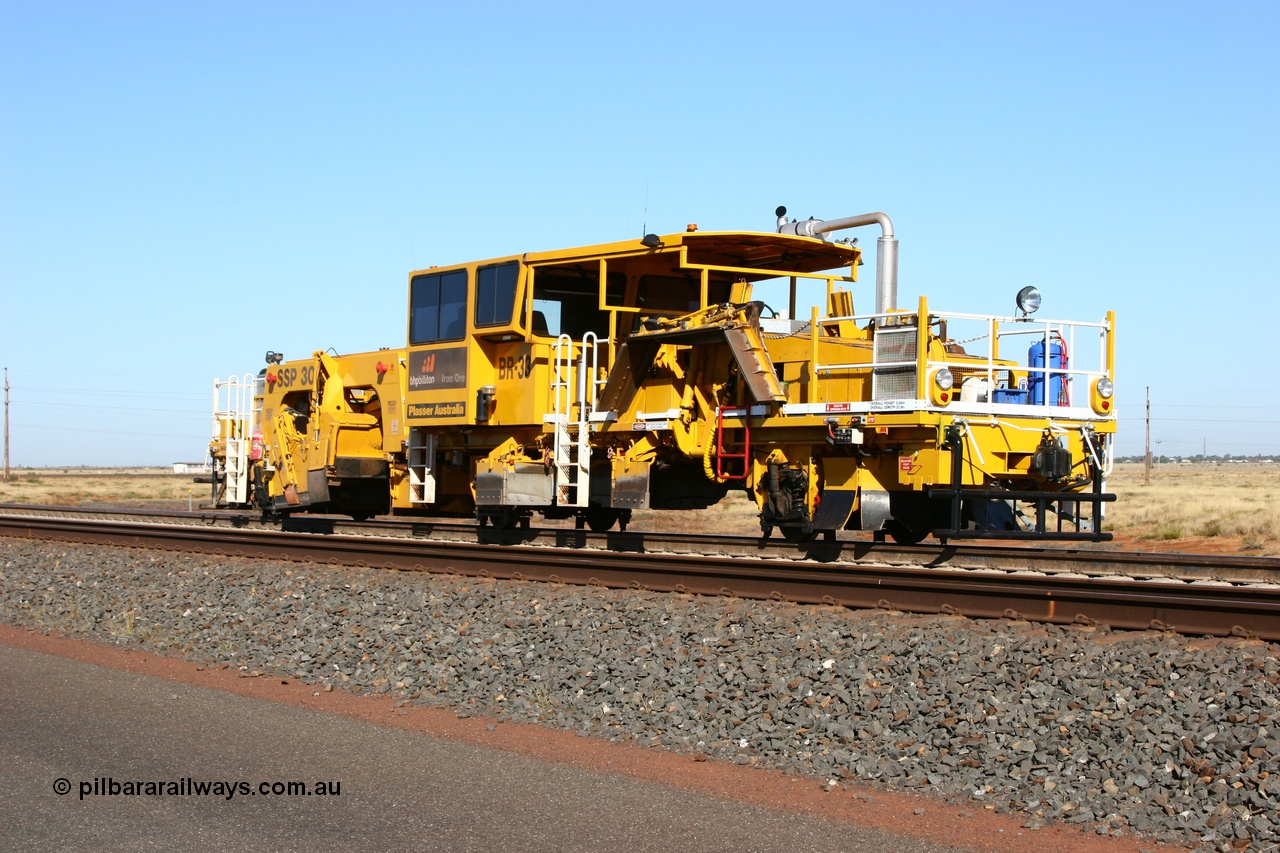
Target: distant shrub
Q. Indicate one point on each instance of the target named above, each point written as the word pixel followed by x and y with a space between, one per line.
pixel 1212 527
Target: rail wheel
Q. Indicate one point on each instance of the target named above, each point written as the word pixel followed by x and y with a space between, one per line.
pixel 218 479
pixel 914 517
pixel 261 497
pixel 502 517
pixel 600 518
pixel 905 534
pixel 798 535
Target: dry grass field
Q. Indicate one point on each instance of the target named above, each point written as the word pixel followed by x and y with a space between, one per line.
pixel 156 488
pixel 1210 508
pixel 1224 508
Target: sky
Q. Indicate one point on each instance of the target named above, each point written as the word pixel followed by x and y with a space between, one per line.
pixel 184 186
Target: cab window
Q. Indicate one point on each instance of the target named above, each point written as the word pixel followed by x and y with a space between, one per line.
pixel 567 301
pixel 670 295
pixel 438 307
pixel 496 294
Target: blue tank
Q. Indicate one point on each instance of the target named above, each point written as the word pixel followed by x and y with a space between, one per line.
pixel 1035 380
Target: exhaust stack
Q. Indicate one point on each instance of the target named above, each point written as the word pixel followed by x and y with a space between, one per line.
pixel 886 248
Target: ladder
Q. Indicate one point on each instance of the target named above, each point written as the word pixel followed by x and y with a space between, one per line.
pixel 723 475
pixel 422 466
pixel 571 448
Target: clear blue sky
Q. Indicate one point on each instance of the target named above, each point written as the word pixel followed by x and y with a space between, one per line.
pixel 186 185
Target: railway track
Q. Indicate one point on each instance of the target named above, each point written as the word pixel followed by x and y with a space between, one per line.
pixel 1192 594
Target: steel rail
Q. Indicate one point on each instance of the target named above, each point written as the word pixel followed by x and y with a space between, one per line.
pixel 1192 608
pixel 1091 561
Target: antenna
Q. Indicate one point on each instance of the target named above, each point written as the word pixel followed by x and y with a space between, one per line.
pixel 644 227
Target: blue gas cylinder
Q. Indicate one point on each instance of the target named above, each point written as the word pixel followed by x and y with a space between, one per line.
pixel 1035 380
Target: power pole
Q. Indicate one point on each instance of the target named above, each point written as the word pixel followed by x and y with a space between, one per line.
pixel 6 424
pixel 1146 467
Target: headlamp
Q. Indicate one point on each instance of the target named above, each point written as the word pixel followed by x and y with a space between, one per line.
pixel 1100 393
pixel 1028 300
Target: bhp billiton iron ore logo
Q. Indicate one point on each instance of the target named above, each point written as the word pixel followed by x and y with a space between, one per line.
pixel 434 370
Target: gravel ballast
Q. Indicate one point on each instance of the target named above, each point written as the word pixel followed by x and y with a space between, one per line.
pixel 1149 733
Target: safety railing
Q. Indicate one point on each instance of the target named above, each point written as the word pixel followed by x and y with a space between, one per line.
pixel 571 446
pixel 1051 377
pixel 587 370
pixel 234 422
pixel 233 406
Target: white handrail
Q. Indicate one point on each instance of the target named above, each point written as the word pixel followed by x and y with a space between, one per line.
pixel 1048 379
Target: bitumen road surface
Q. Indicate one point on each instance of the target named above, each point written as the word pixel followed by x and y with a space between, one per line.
pixel 65 724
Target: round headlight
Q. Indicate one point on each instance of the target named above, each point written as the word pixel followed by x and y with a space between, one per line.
pixel 1105 388
pixel 943 379
pixel 1029 300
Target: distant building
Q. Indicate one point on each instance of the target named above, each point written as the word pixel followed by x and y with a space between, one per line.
pixel 192 468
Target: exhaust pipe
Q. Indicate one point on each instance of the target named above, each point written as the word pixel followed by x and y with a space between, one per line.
pixel 886 248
